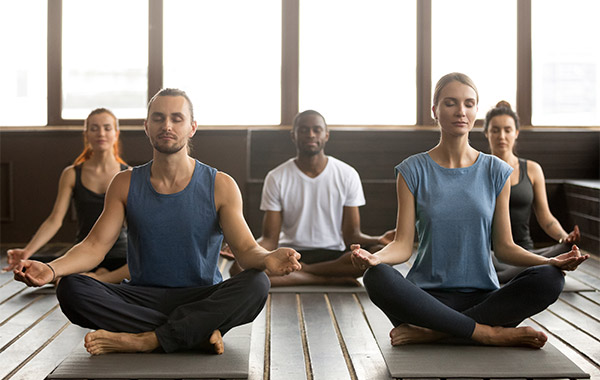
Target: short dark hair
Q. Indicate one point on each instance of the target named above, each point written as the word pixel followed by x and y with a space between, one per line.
pixel 502 108
pixel 171 92
pixel 306 113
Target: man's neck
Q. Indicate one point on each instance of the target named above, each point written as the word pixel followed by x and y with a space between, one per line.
pixel 171 173
pixel 313 165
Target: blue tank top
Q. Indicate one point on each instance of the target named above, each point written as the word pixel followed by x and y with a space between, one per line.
pixel 173 239
pixel 454 209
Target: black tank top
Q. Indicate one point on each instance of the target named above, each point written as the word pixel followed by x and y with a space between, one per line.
pixel 521 200
pixel 89 206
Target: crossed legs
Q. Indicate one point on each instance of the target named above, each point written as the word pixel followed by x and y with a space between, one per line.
pixel 489 318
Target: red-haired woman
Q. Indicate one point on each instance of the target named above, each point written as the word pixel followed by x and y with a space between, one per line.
pixel 86 182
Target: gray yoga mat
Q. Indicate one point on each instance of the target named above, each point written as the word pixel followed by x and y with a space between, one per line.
pixel 233 364
pixel 467 361
pixel 317 289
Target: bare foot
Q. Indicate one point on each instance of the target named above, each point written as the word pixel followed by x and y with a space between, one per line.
pixel 216 341
pixel 509 336
pixel 102 342
pixel 410 334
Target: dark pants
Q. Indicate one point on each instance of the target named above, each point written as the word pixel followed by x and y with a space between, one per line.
pixel 506 271
pixel 455 313
pixel 182 318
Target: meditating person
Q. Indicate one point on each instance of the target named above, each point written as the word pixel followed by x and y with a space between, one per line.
pixel 85 182
pixel 311 204
pixel 527 191
pixel 458 199
pixel 177 210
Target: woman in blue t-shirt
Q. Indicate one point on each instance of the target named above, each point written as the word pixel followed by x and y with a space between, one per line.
pixel 527 191
pixel 457 197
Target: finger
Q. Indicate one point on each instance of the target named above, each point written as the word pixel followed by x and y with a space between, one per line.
pixel 354 247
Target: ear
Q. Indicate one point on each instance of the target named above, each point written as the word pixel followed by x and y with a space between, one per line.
pixel 292 135
pixel 327 135
pixel 194 129
pixel 516 133
pixel 433 110
pixel 146 127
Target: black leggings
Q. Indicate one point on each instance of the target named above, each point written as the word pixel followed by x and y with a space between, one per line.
pixel 506 272
pixel 182 318
pixel 455 313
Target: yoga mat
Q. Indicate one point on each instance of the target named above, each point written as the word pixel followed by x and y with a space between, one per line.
pixel 467 361
pixel 233 364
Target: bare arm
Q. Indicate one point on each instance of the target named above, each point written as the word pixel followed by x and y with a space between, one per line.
pixel 90 252
pixel 113 277
pixel 51 225
pixel 351 229
pixel 271 228
pixel 400 249
pixel 546 220
pixel 248 253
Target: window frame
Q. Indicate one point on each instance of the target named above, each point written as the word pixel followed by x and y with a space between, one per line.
pixel 290 63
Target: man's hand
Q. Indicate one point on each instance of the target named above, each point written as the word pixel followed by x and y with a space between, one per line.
pixel 14 257
pixel 570 260
pixel 33 273
pixel 282 261
pixel 362 259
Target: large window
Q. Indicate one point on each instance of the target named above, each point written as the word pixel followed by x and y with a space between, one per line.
pixel 226 54
pixel 258 63
pixel 566 62
pixel 358 60
pixel 105 57
pixel 23 93
pixel 478 38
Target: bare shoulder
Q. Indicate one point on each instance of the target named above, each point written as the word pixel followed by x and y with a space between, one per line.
pixel 535 171
pixel 226 189
pixel 119 185
pixel 68 176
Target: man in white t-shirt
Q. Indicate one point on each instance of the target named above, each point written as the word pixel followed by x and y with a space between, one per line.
pixel 311 204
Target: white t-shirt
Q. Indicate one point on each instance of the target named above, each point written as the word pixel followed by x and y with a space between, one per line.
pixel 312 208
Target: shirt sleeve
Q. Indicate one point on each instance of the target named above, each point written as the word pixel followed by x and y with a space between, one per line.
pixel 270 200
pixel 354 196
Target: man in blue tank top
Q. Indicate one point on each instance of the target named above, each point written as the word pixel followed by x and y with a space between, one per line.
pixel 178 211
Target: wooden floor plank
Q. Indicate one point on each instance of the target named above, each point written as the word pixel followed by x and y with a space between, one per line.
pixel 576 318
pixel 286 351
pixel 580 341
pixel 42 364
pixel 17 304
pixel 592 296
pixel 367 360
pixel 326 356
pixel 586 278
pixel 27 345
pixel 25 320
pixel 582 303
pixel 10 290
pixel 256 365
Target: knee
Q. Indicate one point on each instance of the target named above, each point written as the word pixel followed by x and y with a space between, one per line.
pixel 374 277
pixel 257 282
pixel 71 292
pixel 548 281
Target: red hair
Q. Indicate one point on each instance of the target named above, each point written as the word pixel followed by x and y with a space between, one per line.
pixel 87 149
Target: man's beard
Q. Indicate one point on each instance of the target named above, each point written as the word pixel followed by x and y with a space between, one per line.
pixel 171 149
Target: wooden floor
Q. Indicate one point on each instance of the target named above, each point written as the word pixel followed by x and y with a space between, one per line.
pixel 297 336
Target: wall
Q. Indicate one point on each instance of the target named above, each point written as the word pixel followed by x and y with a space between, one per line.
pixel 31 163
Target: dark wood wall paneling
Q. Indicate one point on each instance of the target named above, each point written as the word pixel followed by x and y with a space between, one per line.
pixel 37 159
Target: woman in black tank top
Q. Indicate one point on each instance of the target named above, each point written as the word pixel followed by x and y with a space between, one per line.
pixel 528 190
pixel 86 182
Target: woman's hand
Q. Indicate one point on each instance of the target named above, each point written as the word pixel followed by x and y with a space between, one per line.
pixel 569 261
pixel 362 259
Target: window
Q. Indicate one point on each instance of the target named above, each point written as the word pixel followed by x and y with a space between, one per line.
pixel 358 60
pixel 226 55
pixel 104 57
pixel 23 74
pixel 565 63
pixel 477 38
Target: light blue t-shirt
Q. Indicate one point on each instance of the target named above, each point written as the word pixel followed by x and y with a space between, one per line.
pixel 454 213
pixel 173 239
